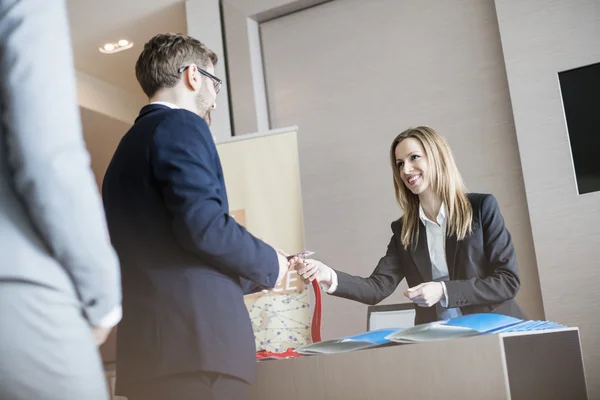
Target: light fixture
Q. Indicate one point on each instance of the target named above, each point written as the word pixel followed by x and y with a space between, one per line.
pixel 111 48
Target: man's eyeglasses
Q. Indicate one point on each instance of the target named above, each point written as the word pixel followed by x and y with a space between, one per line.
pixel 216 81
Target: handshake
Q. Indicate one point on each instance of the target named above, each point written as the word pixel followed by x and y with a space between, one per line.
pixel 307 269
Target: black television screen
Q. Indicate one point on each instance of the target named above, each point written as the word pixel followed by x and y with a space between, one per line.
pixel 580 88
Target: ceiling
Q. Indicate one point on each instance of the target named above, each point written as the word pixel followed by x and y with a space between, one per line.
pixel 94 23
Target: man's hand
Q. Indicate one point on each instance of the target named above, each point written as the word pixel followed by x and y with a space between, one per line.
pixel 100 334
pixel 283 253
pixel 425 294
pixel 285 263
pixel 309 270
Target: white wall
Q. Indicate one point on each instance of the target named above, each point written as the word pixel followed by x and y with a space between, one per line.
pixel 245 115
pixel 267 9
pixel 97 95
pixel 102 135
pixel 352 75
pixel 541 38
pixel 247 94
pixel 204 23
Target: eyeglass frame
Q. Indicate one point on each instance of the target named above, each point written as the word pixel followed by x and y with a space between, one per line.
pixel 217 83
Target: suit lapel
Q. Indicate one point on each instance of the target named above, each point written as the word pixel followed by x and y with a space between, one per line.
pixel 451 247
pixel 421 255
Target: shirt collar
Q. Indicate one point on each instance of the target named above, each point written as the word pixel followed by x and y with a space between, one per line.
pixel 441 217
pixel 165 103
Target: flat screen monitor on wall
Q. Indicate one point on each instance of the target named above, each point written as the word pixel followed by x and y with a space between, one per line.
pixel 580 88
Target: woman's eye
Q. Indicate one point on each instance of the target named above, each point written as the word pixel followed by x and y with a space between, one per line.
pixel 399 165
pixel 415 156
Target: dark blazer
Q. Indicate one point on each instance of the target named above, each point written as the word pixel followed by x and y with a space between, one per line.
pixel 482 267
pixel 185 263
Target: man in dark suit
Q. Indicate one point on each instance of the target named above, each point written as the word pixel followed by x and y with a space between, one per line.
pixel 186 264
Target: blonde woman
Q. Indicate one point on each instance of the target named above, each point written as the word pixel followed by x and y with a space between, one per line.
pixel 451 246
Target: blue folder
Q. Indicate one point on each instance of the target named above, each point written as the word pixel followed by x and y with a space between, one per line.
pixel 485 322
pixel 375 337
pixel 466 325
pixel 497 323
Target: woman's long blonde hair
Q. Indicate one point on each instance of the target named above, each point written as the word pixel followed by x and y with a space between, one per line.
pixel 445 181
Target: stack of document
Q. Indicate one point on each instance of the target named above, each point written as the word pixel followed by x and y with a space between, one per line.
pixel 361 341
pixel 467 325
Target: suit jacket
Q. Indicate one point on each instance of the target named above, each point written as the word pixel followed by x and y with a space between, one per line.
pixel 185 263
pixel 52 227
pixel 482 267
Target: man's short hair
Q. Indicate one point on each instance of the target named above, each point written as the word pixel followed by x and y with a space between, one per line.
pixel 157 65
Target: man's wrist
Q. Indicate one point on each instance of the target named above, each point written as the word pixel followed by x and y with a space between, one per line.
pixel 283 268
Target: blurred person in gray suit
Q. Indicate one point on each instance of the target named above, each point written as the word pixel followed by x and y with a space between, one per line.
pixel 59 277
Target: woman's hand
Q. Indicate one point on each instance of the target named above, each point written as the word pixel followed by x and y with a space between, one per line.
pixel 309 270
pixel 426 294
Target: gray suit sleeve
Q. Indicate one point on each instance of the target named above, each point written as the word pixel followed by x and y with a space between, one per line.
pixel 47 155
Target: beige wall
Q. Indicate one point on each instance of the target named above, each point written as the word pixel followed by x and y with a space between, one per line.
pixel 245 73
pixel 239 71
pixel 102 135
pixel 203 18
pixel 353 74
pixel 102 98
pixel 262 178
pixel 539 39
pixel 263 185
pixel 262 10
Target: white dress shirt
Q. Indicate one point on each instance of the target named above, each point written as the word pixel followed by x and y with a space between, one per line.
pixel 165 103
pixel 436 243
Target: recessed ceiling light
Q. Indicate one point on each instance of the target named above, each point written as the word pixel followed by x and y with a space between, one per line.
pixel 110 48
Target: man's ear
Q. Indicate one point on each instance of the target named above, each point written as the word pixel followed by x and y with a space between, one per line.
pixel 194 79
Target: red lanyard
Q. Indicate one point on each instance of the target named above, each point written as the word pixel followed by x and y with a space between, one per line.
pixel 315 329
